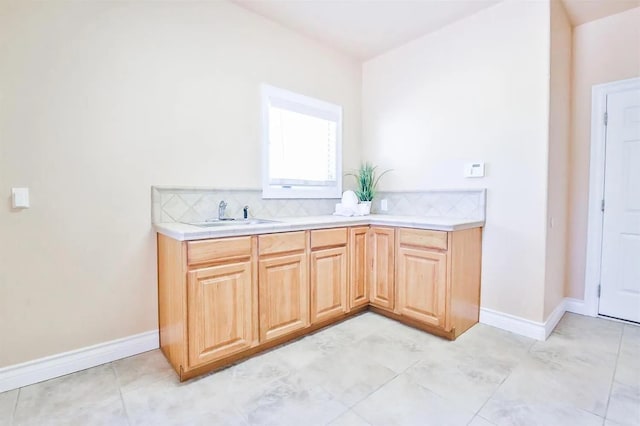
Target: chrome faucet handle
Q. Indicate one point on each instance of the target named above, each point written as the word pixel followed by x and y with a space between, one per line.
pixel 221 207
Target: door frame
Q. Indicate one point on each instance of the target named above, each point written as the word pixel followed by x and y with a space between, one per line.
pixel 593 262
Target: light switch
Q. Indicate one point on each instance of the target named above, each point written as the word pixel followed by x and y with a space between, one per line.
pixel 383 205
pixel 20 198
pixel 474 170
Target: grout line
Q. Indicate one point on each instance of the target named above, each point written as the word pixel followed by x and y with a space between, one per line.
pixel 392 378
pixel 348 410
pixel 502 383
pixel 533 341
pixel 477 413
pixel 124 406
pixel 12 419
pixel 395 376
pixel 342 413
pixel 431 391
pixel 376 389
pixel 409 367
pixel 478 416
pixel 613 377
pixel 237 409
pixel 360 417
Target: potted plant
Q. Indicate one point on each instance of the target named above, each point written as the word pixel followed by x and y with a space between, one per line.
pixel 367 184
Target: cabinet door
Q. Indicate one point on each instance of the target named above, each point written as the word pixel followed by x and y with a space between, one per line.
pixel 381 267
pixel 284 295
pixel 222 312
pixel 328 283
pixel 358 271
pixel 422 285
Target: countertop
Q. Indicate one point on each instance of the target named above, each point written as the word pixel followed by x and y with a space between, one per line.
pixel 186 232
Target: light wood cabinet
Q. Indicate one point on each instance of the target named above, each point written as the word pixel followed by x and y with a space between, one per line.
pixel 283 284
pixel 358 270
pixel 381 260
pixel 328 267
pixel 438 278
pixel 221 311
pixel 225 299
pixel 208 300
pixel 421 282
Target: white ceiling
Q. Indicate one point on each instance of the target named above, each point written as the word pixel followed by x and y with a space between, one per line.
pixel 366 28
pixel 582 11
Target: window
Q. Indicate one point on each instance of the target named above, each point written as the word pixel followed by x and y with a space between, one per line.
pixel 302 143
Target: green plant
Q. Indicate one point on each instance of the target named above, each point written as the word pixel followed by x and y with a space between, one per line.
pixel 367 181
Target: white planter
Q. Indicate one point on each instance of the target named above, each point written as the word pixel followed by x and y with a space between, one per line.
pixel 364 207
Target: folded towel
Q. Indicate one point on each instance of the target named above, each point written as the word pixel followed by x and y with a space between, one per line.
pixel 350 210
pixel 349 198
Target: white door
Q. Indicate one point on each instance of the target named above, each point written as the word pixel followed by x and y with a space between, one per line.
pixel 620 279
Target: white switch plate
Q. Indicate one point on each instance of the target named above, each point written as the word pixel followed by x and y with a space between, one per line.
pixel 474 170
pixel 20 198
pixel 383 205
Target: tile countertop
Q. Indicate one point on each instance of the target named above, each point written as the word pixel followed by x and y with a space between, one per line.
pixel 186 232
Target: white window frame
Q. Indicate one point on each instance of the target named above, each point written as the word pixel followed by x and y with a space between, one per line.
pixel 309 106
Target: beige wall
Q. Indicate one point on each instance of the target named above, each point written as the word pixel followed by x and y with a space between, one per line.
pixel 559 137
pixel 100 100
pixel 477 90
pixel 605 50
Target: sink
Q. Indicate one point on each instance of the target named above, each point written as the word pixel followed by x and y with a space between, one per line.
pixel 231 222
pixel 211 224
pixel 257 221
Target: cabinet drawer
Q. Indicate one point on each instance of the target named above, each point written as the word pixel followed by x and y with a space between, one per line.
pixel 205 251
pixel 423 238
pixel 328 237
pixel 281 243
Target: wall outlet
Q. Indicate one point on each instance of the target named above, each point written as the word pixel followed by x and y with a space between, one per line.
pixel 20 198
pixel 383 205
pixel 474 170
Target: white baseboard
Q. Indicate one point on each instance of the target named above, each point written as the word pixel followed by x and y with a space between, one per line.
pixel 512 323
pixel 576 306
pixel 554 318
pixel 19 375
pixel 524 327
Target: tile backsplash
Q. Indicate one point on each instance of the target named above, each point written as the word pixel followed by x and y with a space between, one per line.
pixel 459 204
pixel 180 204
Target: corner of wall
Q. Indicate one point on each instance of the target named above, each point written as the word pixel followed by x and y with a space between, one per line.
pixel 600 54
pixel 559 119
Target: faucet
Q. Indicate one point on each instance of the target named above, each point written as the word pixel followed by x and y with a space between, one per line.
pixel 221 207
pixel 245 212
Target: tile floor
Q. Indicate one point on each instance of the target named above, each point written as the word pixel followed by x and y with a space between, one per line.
pixel 366 371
